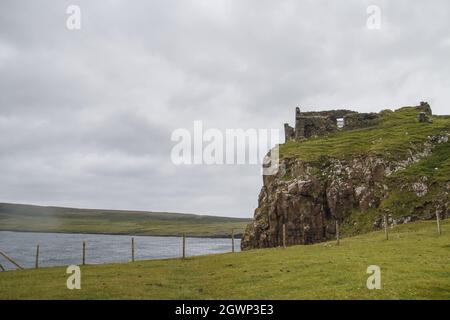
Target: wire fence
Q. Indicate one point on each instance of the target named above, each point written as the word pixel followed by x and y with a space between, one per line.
pixel 35 250
pixel 288 234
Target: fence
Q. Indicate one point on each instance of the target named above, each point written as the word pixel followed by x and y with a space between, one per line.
pixel 35 250
pixel 288 234
pixel 95 249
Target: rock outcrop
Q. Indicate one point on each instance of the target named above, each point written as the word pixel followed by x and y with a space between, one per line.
pixel 309 197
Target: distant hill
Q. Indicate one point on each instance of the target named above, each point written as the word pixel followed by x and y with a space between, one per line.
pixel 21 217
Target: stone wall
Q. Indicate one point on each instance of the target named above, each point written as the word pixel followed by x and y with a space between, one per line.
pixel 360 120
pixel 311 126
pixel 289 132
pixel 425 107
pixel 333 114
pixel 319 123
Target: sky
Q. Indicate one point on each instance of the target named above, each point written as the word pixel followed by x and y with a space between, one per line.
pixel 86 115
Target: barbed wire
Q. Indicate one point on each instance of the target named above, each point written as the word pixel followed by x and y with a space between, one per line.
pixel 77 249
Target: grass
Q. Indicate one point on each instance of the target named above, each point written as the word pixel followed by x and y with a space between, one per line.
pixel 414 264
pixel 17 217
pixel 359 222
pixel 435 167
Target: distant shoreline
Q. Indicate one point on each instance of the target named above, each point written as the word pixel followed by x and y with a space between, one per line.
pixel 28 218
pixel 217 236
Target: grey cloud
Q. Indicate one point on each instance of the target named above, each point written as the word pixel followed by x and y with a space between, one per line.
pixel 86 116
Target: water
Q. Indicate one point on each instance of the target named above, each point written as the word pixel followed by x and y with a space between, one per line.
pixel 62 249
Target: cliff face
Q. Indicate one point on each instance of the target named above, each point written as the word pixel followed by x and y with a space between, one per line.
pixel 315 189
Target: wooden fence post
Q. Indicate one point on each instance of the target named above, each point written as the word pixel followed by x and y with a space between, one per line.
pixel 438 223
pixel 337 233
pixel 11 260
pixel 84 253
pixel 132 249
pixel 36 265
pixel 284 235
pixel 386 235
pixel 232 240
pixel 184 245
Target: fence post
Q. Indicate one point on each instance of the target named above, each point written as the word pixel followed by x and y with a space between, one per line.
pixel 337 233
pixel 132 249
pixel 284 235
pixel 386 235
pixel 36 265
pixel 10 260
pixel 232 240
pixel 438 223
pixel 84 253
pixel 184 245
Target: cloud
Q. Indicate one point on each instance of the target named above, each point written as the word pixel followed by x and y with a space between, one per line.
pixel 86 116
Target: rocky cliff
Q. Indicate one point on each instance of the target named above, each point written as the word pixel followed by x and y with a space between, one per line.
pixel 400 168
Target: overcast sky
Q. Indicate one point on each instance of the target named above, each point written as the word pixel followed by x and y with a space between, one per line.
pixel 86 115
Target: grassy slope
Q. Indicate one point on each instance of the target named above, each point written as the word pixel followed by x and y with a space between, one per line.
pixel 414 264
pixel 56 219
pixel 436 168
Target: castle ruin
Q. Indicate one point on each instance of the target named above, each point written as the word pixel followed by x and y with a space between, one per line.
pixel 320 123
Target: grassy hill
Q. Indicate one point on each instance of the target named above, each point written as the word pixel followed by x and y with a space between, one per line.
pixel 18 217
pixel 414 264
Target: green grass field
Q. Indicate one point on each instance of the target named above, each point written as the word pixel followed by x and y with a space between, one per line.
pixel 17 217
pixel 414 262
